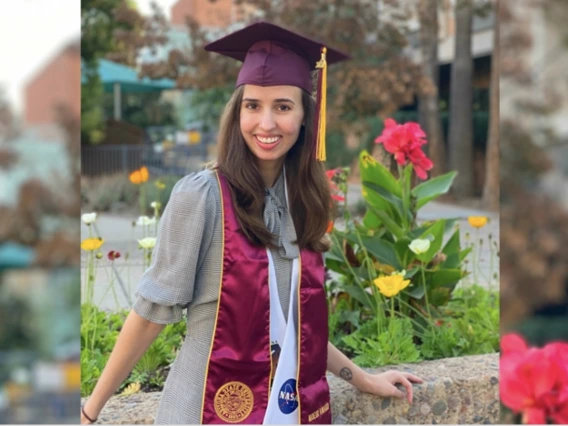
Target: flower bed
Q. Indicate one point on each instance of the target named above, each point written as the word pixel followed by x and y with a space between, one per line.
pixel 392 282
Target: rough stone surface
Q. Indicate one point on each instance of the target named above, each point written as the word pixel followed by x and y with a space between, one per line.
pixel 456 391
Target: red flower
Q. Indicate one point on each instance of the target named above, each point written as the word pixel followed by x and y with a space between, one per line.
pixel 534 381
pixel 333 186
pixel 404 141
pixel 112 255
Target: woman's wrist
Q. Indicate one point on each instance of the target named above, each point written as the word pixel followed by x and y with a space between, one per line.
pixel 87 415
pixel 362 382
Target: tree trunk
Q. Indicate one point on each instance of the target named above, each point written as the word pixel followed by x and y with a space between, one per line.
pixel 491 185
pixel 429 102
pixel 460 133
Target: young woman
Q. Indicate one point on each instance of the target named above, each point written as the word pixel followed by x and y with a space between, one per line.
pixel 240 247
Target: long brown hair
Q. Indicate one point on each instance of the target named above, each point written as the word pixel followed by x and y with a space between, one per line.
pixel 308 189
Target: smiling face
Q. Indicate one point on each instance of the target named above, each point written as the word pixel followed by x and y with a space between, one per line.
pixel 270 120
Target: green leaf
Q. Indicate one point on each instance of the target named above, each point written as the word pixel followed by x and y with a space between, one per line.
pixel 373 171
pixel 383 251
pixel 335 252
pixel 445 278
pixel 376 201
pixel 405 255
pixel 390 224
pixel 436 231
pixel 393 200
pixel 449 226
pixel 439 296
pixel 416 233
pixel 358 294
pixel 363 273
pixel 416 291
pixel 371 220
pixel 464 253
pixel 411 273
pixel 451 250
pixel 349 316
pixel 433 188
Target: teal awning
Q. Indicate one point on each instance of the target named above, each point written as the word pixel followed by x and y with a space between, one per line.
pixel 112 73
pixel 14 255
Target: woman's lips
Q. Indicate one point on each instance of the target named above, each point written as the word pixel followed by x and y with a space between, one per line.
pixel 267 146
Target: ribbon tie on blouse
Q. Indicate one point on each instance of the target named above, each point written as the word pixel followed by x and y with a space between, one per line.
pixel 279 222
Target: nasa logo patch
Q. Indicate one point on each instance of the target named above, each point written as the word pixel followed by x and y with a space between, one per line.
pixel 287 398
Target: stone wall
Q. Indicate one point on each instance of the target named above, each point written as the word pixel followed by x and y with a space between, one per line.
pixel 455 390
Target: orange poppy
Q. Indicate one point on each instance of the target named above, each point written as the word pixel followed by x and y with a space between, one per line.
pixel 329 227
pixel 139 176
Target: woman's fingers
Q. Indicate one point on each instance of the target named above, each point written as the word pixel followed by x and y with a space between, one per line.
pixel 407 385
pixel 413 378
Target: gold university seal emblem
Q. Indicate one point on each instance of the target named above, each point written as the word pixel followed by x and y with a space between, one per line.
pixel 233 402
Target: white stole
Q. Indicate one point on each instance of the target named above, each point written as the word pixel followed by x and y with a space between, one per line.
pixel 283 402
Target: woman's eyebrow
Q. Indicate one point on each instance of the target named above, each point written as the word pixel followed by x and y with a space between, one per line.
pixel 275 100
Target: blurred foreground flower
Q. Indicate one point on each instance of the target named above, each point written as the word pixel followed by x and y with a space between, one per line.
pixel 534 381
pixel 405 141
pixel 391 285
pixel 91 244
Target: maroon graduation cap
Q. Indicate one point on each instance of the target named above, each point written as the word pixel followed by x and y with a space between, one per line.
pixel 275 56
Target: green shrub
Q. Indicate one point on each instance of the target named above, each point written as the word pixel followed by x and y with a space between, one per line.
pixel 99 331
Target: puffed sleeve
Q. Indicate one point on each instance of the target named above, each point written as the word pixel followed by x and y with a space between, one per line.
pixel 184 235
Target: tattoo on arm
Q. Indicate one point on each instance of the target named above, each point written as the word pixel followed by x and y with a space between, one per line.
pixel 346 374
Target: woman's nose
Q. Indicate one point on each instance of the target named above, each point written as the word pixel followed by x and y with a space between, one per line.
pixel 267 121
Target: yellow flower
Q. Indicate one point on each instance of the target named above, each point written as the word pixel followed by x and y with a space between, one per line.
pixel 91 244
pixel 132 388
pixel 139 176
pixel 477 221
pixel 160 184
pixel 391 285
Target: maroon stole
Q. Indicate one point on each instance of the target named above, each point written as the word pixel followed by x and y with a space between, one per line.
pixel 237 380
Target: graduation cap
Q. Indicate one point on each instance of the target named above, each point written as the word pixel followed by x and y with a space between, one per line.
pixel 275 56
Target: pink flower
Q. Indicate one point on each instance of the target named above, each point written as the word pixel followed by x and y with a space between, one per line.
pixel 534 381
pixel 405 141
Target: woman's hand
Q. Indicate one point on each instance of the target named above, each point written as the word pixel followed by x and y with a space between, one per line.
pixel 383 384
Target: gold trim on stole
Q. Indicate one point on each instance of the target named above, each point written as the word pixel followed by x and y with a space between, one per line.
pixel 299 333
pixel 219 299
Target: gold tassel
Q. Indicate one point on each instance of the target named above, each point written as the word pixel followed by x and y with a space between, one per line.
pixel 320 144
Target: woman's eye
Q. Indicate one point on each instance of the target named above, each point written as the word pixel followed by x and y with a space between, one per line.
pixel 251 106
pixel 284 108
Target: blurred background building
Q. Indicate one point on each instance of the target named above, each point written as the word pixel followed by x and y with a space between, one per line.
pixel 173 130
pixel 39 208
